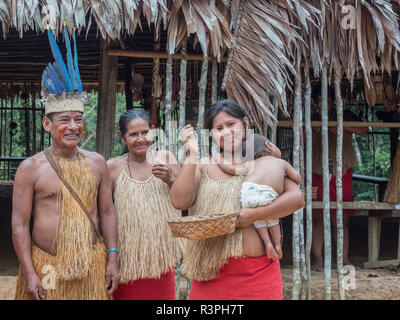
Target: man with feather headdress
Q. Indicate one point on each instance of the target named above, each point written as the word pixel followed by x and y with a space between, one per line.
pixel 67 192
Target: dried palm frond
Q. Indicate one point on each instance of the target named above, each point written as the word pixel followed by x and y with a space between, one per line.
pixel 4 17
pixel 207 21
pixel 260 62
pixel 107 15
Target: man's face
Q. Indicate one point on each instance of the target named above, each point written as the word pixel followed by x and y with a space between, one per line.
pixel 65 128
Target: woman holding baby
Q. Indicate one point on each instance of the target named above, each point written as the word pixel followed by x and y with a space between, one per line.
pixel 234 266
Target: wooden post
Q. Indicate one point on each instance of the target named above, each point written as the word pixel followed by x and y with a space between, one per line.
pixel 296 166
pixel 307 115
pixel 128 81
pixel 1 118
pixel 303 268
pixel 202 104
pixel 275 125
pixel 155 89
pixel 325 179
pixel 182 100
pixel 27 131
pixel 34 150
pixel 105 129
pixel 168 101
pixel 214 81
pixel 339 187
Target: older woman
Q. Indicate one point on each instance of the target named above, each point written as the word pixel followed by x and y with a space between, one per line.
pixel 233 266
pixel 141 181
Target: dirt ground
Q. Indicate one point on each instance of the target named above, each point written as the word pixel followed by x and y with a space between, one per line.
pixel 370 284
pixel 375 284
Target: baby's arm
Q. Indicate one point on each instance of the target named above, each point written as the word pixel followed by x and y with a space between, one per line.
pixel 275 151
pixel 292 174
pixel 236 169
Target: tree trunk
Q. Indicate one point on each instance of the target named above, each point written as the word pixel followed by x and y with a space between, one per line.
pixel 296 166
pixel 325 179
pixel 128 80
pixel 202 103
pixel 155 89
pixel 105 129
pixel 34 150
pixel 307 109
pixel 182 100
pixel 214 81
pixel 168 101
pixel 339 187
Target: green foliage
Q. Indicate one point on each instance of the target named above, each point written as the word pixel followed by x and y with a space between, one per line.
pixel 365 191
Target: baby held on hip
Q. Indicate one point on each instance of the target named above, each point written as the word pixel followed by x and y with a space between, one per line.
pixel 263 183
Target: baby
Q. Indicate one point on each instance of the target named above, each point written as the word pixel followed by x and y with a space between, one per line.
pixel 263 183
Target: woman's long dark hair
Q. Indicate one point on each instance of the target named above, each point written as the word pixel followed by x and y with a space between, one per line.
pixel 228 106
pixel 127 117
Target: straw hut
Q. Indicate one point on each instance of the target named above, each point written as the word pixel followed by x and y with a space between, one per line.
pixel 266 55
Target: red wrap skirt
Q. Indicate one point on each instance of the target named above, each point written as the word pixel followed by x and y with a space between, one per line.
pixel 246 278
pixel 148 289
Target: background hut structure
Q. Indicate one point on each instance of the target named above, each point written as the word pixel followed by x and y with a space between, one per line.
pixel 266 55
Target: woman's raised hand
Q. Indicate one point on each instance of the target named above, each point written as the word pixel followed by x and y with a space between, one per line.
pixel 188 140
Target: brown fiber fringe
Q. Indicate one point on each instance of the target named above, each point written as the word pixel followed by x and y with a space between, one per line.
pixel 74 239
pixel 147 248
pixel 203 259
pixel 92 287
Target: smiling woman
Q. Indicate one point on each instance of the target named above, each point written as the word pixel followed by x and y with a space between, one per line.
pixel 141 181
pixel 222 267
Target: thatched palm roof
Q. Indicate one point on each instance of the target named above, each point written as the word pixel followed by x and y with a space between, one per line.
pixel 263 48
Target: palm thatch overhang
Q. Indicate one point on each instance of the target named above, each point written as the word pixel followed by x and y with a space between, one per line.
pixel 260 38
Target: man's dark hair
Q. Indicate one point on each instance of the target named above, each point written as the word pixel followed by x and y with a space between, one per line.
pixel 50 116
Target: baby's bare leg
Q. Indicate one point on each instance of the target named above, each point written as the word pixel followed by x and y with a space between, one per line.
pixel 276 236
pixel 264 235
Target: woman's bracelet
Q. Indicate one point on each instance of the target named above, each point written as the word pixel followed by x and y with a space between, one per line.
pixel 112 250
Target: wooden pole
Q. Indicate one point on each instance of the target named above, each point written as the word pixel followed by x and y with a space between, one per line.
pixel 154 55
pixel 41 144
pixel 214 81
pixel 325 179
pixel 307 110
pixel 168 101
pixel 202 104
pixel 303 268
pixel 182 100
pixel 355 124
pixel 1 118
pixel 155 89
pixel 275 125
pixel 105 129
pixel 27 131
pixel 34 131
pixel 296 166
pixel 128 81
pixel 339 187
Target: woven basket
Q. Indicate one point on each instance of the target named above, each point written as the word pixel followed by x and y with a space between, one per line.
pixel 204 227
